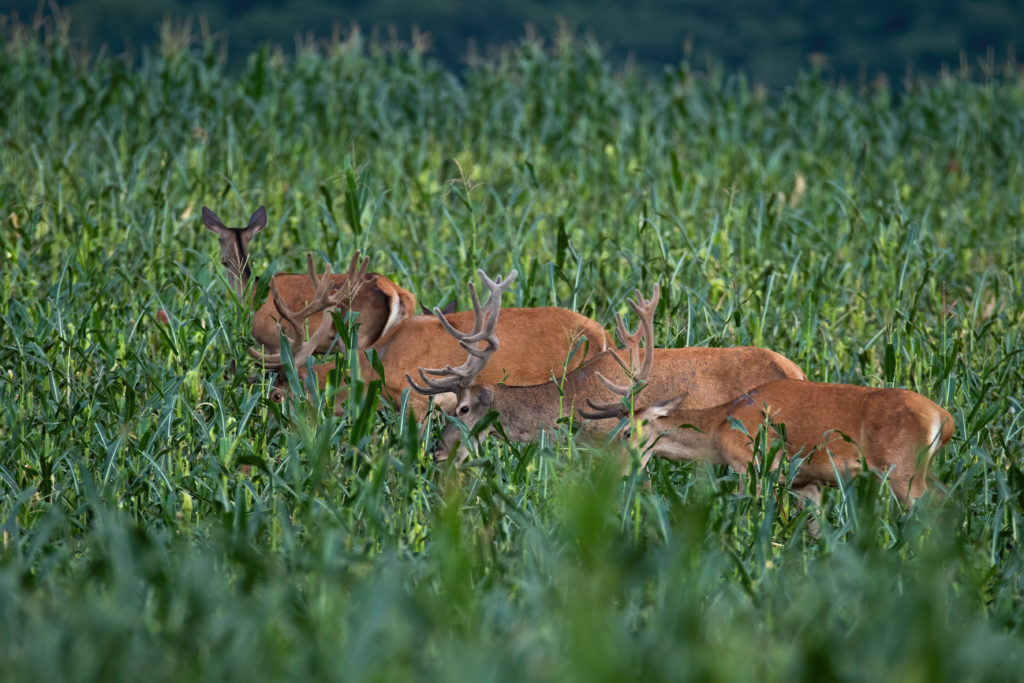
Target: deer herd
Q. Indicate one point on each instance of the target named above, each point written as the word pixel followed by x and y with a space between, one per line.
pixel 537 367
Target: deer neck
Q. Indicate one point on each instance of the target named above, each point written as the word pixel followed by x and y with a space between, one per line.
pixel 525 411
pixel 704 419
pixel 690 433
pixel 239 279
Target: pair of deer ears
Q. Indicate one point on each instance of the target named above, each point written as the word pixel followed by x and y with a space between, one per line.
pixel 257 222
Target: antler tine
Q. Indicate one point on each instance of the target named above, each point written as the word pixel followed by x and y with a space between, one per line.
pixel 323 333
pixel 357 269
pixel 312 271
pixel 644 331
pixel 600 411
pixel 644 310
pixel 485 319
pixel 485 315
pixel 355 276
pixel 631 343
pixel 479 318
pixel 452 381
pixel 484 328
pixel 273 361
pixel 638 378
pixel 491 307
pixel 322 301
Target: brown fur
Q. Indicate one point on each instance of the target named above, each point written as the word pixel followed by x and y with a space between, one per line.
pixel 536 344
pixel 897 431
pixel 381 304
pixel 714 375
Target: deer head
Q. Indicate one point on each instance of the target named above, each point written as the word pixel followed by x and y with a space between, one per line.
pixel 472 402
pixel 234 245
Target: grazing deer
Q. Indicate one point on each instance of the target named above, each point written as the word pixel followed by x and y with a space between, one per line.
pixel 380 302
pixel 714 374
pixel 834 428
pixel 539 343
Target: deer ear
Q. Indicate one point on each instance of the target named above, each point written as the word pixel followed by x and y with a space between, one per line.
pixel 449 308
pixel 257 221
pixel 663 409
pixel 408 302
pixel 211 221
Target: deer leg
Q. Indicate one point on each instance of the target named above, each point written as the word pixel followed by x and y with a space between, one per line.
pixel 810 493
pixel 733 448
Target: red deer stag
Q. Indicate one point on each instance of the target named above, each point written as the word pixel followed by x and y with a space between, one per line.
pixel 539 343
pixel 715 375
pixel 380 302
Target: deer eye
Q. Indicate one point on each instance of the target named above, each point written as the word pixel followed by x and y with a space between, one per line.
pixel 463 409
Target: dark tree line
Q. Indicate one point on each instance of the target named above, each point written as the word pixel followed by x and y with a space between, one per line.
pixel 769 39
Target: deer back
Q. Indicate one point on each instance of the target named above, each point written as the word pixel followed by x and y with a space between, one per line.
pixel 712 375
pixel 380 302
pixel 895 430
pixel 697 376
pixel 536 345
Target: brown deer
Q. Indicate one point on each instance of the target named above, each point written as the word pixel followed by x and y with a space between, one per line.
pixel 539 343
pixel 714 374
pixel 380 302
pixel 834 428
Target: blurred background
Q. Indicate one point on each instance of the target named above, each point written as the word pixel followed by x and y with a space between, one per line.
pixel 770 40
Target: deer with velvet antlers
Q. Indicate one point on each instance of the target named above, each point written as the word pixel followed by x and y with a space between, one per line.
pixel 539 343
pixel 714 374
pixel 381 303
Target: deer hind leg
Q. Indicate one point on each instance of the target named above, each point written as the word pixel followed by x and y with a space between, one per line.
pixel 924 458
pixel 907 480
pixel 908 461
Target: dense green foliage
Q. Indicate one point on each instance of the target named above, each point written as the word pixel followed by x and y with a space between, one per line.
pixel 769 39
pixel 161 518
